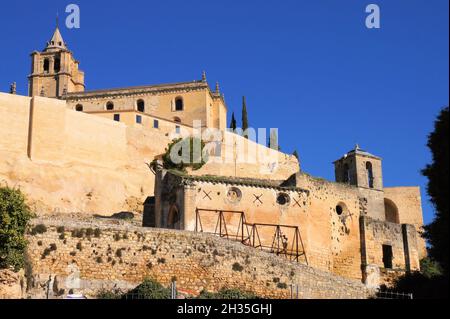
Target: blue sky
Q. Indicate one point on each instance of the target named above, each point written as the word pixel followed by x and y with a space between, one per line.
pixel 310 68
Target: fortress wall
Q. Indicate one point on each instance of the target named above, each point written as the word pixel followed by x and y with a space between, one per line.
pixel 335 239
pixel 78 162
pixel 84 163
pixel 14 117
pixel 409 204
pixel 331 241
pixel 239 156
pixel 402 239
pixel 125 255
pixel 94 140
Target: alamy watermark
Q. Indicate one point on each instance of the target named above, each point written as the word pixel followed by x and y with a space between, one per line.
pixel 234 147
pixel 73 17
pixel 373 20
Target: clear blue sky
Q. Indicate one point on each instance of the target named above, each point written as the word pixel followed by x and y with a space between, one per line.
pixel 310 68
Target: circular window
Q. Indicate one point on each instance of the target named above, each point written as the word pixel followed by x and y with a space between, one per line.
pixel 283 199
pixel 110 106
pixel 79 108
pixel 341 209
pixel 234 195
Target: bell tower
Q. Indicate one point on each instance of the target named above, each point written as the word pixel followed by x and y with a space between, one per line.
pixel 360 168
pixel 54 71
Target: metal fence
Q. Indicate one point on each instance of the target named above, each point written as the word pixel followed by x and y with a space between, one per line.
pixel 387 294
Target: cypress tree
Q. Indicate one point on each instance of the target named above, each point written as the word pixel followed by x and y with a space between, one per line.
pixel 233 123
pixel 244 116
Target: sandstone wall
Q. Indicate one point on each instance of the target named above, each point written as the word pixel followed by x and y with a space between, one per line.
pixel 67 161
pixel 408 201
pixel 90 255
pixel 402 239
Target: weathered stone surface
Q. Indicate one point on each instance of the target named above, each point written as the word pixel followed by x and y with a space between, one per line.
pixel 123 255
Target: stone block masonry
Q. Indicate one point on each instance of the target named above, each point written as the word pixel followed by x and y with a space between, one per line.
pixel 89 255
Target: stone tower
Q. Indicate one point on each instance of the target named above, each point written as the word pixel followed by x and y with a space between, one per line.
pixel 54 71
pixel 359 168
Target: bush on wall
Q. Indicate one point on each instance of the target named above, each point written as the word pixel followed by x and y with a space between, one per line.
pixel 14 217
pixel 182 154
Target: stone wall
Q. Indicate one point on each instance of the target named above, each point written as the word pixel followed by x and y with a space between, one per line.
pixel 67 161
pixel 89 255
pixel 403 240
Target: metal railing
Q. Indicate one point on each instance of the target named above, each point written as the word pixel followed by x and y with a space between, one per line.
pixel 281 244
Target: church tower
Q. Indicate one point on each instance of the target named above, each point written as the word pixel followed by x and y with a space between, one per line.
pixel 360 168
pixel 54 71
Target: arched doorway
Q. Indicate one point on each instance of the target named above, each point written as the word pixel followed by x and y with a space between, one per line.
pixel 173 218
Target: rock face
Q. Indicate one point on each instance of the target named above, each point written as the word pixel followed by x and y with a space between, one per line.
pixel 88 256
pixel 12 285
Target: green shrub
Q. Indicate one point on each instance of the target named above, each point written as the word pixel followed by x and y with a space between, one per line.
pixel 195 161
pixel 429 268
pixel 109 294
pixel 38 229
pixel 227 294
pixel 282 285
pixel 149 289
pixel 97 233
pixel 89 232
pixel 14 217
pixel 78 233
pixel 237 267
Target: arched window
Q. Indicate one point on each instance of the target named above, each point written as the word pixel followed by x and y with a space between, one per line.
pixel 79 108
pixel 110 106
pixel 46 65
pixel 177 120
pixel 179 104
pixel 140 106
pixel 57 65
pixel 346 174
pixel 391 211
pixel 370 178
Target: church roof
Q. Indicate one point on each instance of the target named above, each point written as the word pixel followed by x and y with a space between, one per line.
pixel 241 181
pixel 193 85
pixel 358 151
pixel 56 42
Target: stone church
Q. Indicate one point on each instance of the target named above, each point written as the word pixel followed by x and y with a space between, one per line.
pixel 74 150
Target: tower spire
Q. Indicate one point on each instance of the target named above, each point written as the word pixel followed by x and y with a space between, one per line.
pixel 57 41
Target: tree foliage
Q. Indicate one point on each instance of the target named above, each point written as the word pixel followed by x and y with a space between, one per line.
pixel 188 155
pixel 437 233
pixel 233 124
pixel 14 217
pixel 149 289
pixel 244 116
